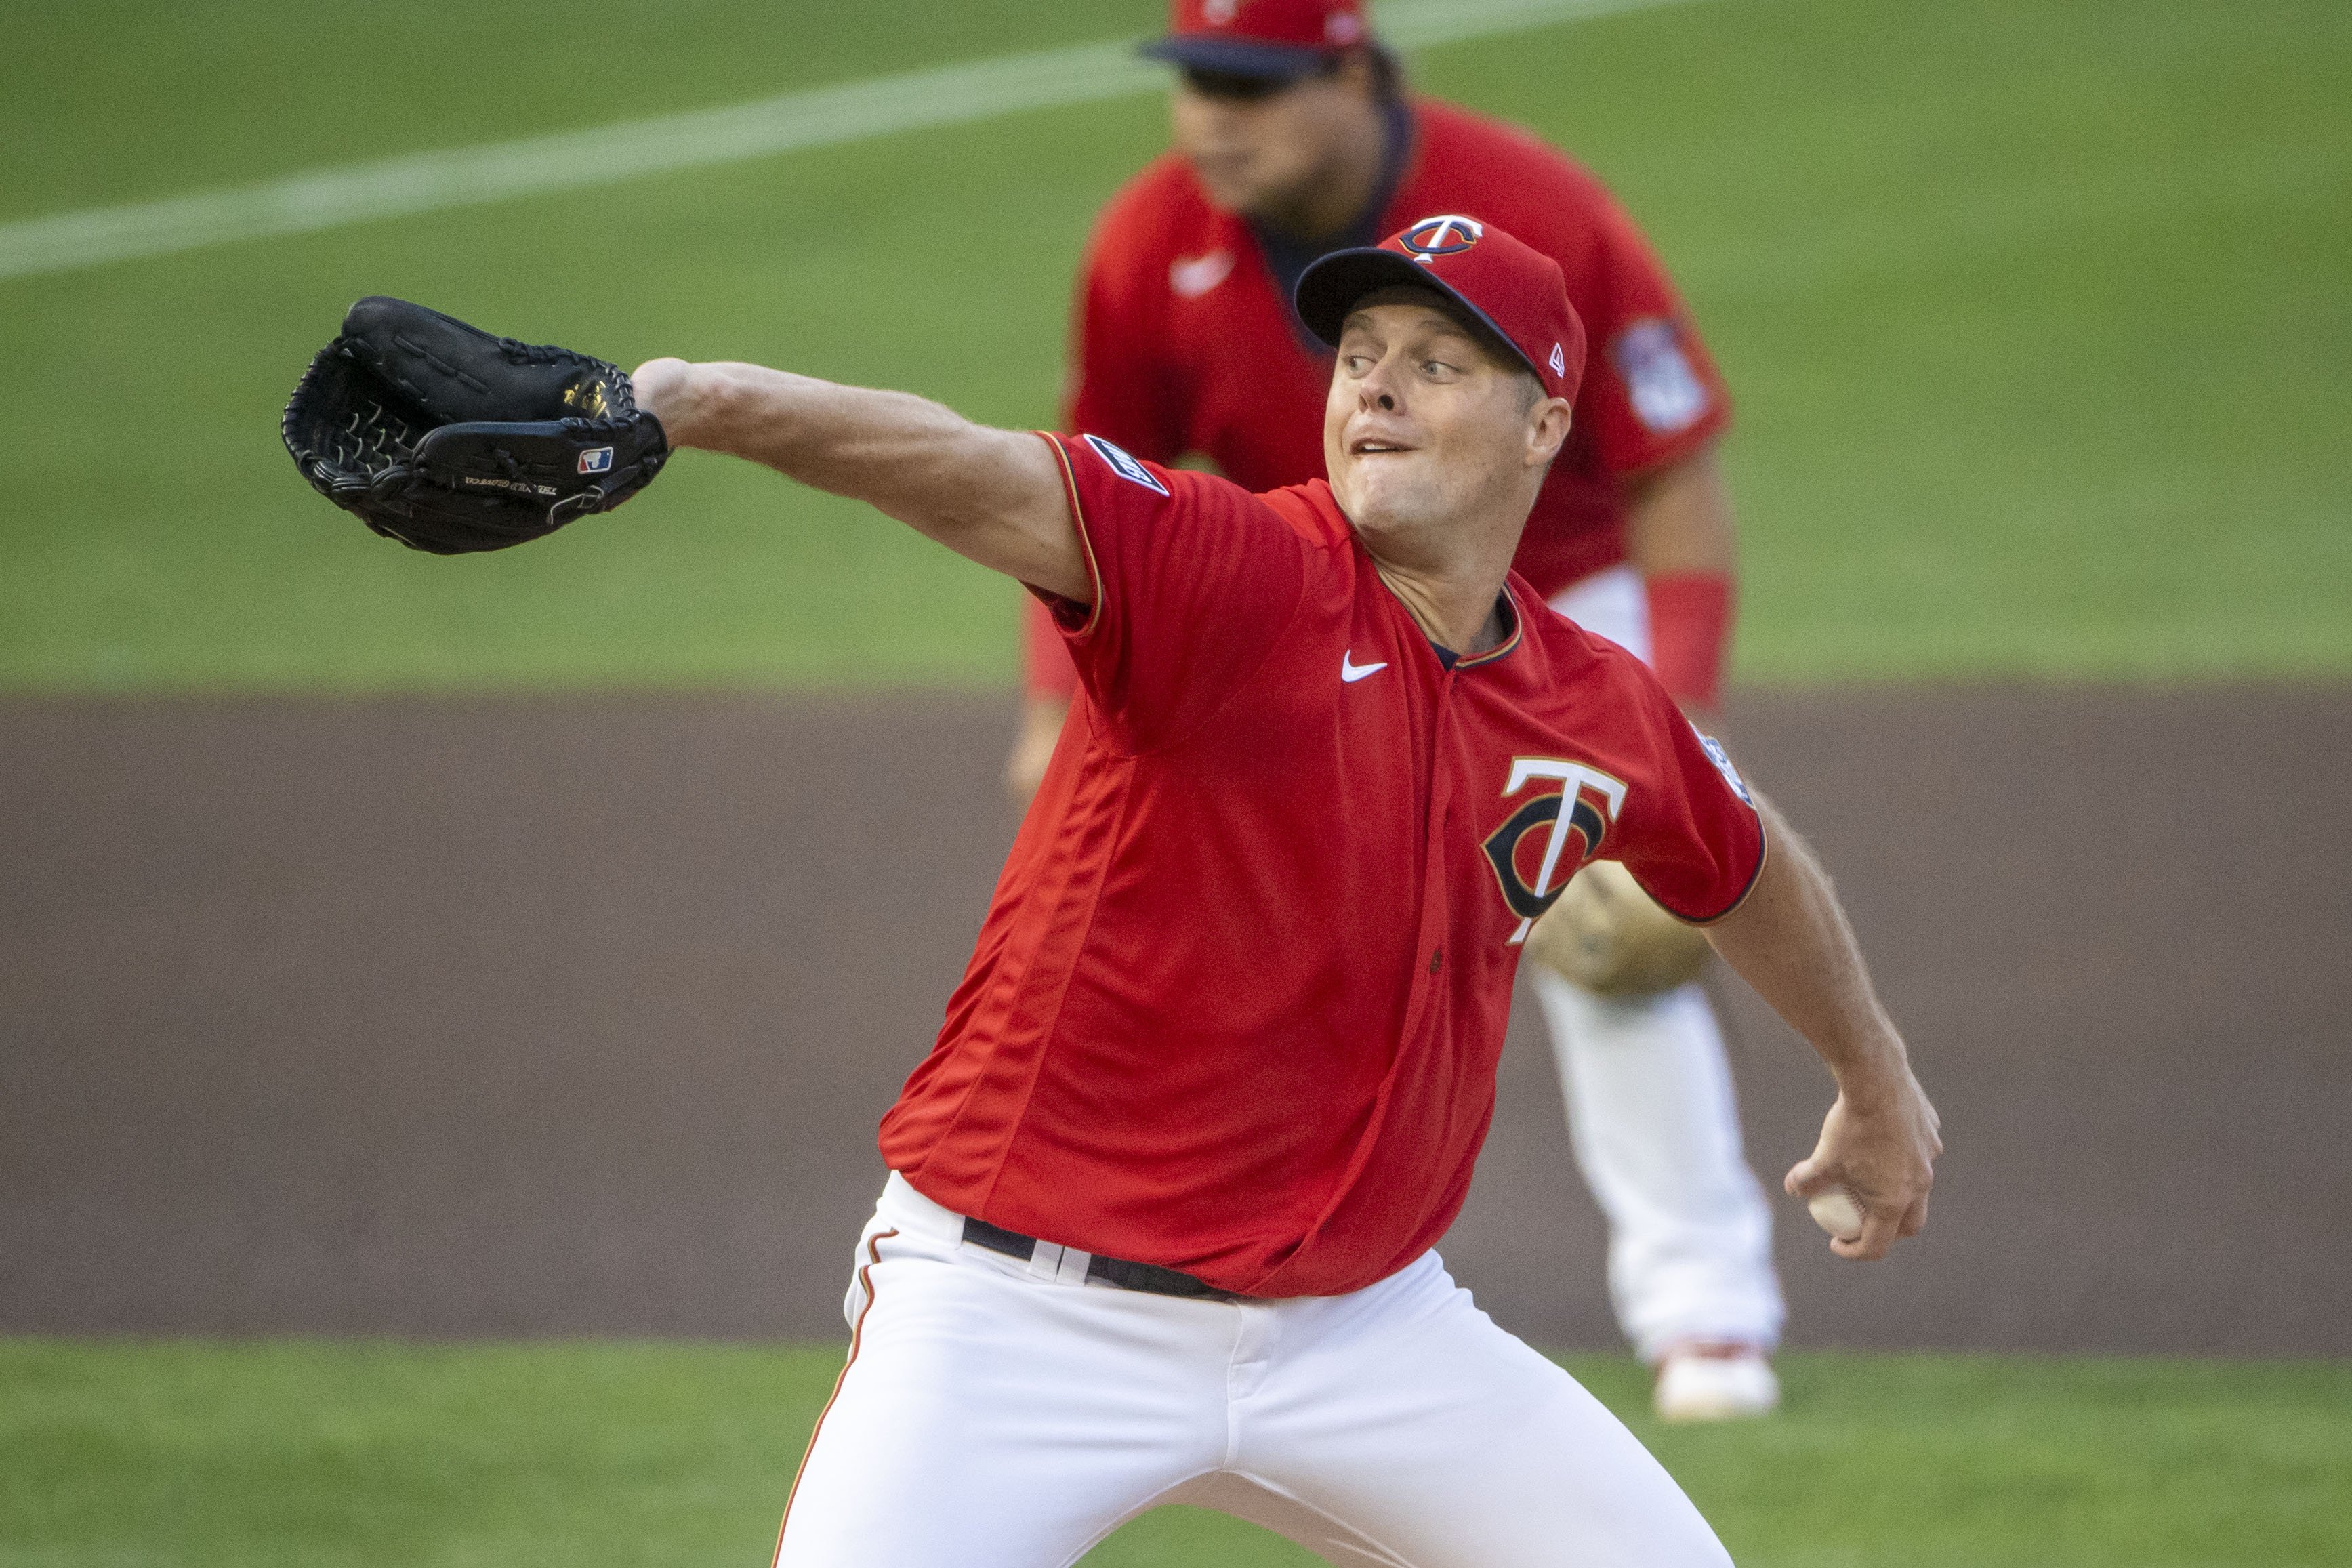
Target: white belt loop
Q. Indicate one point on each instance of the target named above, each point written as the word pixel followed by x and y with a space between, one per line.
pixel 1058 1265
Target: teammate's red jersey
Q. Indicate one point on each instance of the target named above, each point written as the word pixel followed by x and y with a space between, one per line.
pixel 1183 340
pixel 1237 1004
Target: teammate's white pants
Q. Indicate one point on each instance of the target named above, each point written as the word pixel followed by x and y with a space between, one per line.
pixel 997 1414
pixel 1653 1118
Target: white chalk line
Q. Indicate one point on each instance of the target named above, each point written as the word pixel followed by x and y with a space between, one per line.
pixel 818 117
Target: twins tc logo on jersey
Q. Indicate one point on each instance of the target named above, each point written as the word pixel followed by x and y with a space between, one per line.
pixel 1434 237
pixel 1530 852
pixel 1125 466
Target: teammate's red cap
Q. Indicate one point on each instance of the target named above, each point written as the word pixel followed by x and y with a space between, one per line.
pixel 1515 290
pixel 1259 37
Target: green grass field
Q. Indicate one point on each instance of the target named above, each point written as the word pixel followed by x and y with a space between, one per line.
pixel 2037 312
pixel 595 1455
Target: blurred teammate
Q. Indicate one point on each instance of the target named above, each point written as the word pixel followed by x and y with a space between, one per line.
pixel 1294 138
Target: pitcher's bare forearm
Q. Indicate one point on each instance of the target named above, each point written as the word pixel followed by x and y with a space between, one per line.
pixel 995 497
pixel 1791 941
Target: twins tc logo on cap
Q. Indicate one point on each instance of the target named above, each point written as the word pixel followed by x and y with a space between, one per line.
pixel 596 460
pixel 1434 237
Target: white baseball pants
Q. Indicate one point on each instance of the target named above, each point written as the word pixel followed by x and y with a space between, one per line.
pixel 997 1414
pixel 1653 1120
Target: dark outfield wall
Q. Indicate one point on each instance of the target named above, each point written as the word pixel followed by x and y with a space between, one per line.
pixel 575 1015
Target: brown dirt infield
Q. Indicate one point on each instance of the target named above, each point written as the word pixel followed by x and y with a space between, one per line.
pixel 574 1016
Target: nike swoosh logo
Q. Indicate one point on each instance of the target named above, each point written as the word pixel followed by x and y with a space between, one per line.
pixel 1351 672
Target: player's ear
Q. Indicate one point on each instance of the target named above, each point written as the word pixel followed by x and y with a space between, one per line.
pixel 1548 425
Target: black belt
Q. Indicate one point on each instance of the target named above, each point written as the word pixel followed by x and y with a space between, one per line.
pixel 1118 1271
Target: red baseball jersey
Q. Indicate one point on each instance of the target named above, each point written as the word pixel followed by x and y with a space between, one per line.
pixel 1182 341
pixel 1237 1006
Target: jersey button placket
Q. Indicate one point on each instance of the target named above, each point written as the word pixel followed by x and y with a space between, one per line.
pixel 1433 886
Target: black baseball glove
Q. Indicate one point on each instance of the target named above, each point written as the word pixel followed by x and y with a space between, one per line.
pixel 448 439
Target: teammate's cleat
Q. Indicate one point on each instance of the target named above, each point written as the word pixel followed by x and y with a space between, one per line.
pixel 1716 1383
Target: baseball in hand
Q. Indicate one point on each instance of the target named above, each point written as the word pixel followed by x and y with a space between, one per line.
pixel 1837 1211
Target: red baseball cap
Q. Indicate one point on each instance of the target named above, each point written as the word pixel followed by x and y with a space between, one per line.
pixel 1515 290
pixel 1283 38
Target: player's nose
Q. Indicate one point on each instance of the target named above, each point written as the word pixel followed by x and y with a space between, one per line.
pixel 1379 389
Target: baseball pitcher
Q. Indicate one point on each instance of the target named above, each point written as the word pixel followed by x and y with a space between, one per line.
pixel 1163 1196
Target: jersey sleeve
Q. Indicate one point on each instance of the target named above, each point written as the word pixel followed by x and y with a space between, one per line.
pixel 1691 835
pixel 1196 580
pixel 1651 392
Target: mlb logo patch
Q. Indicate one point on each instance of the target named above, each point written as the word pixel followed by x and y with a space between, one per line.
pixel 1125 466
pixel 596 460
pixel 1666 393
pixel 1722 761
